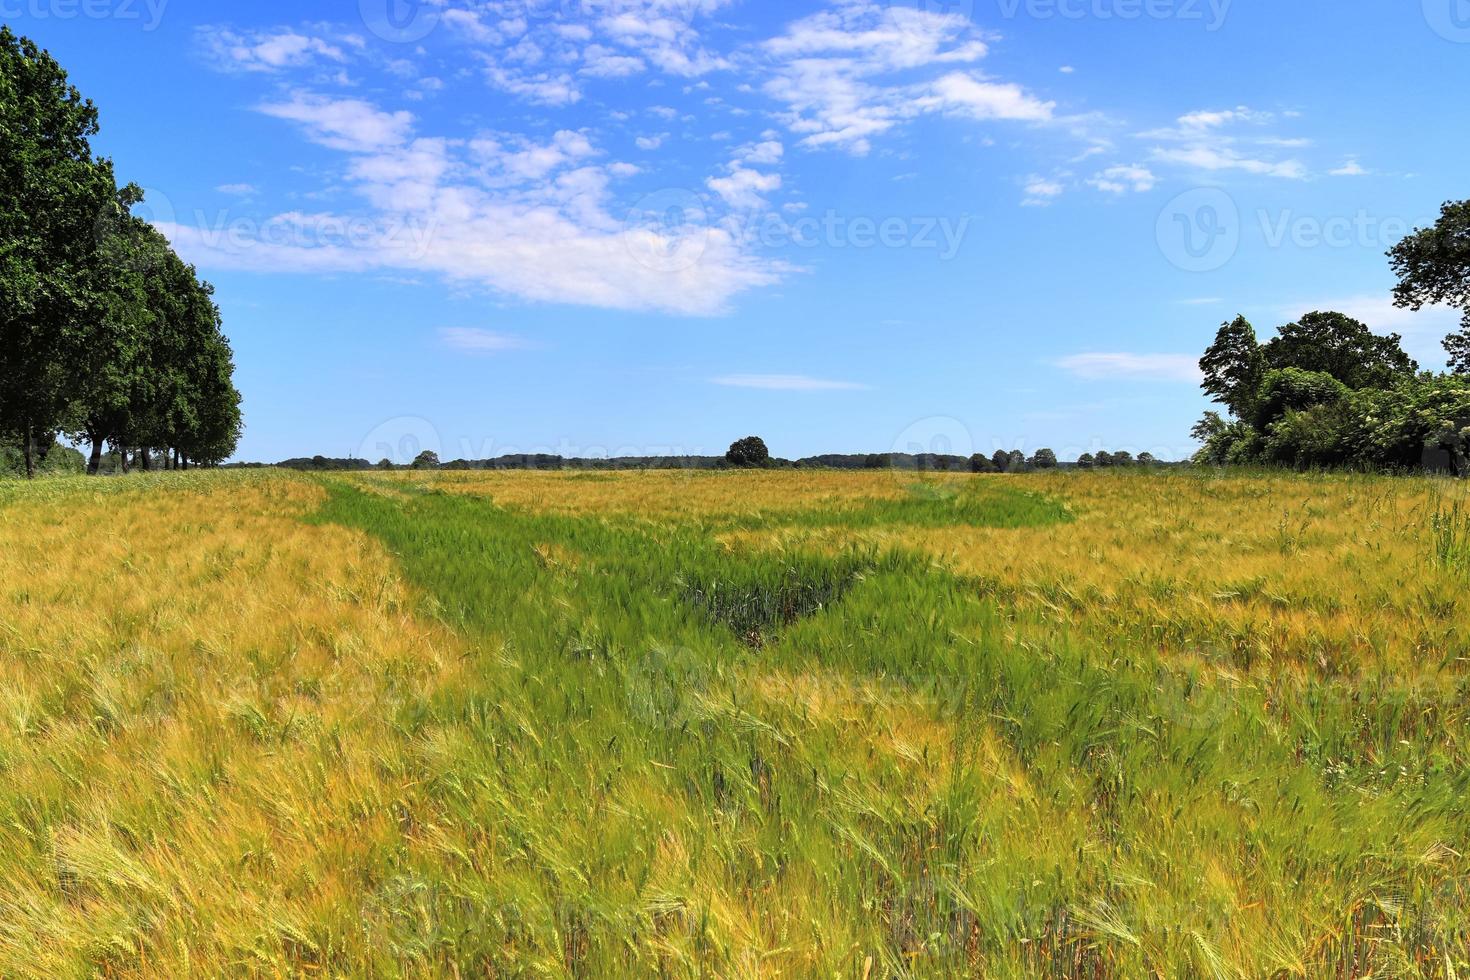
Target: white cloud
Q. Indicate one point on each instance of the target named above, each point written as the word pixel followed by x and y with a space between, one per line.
pixel 766 153
pixel 743 188
pixel 237 190
pixel 542 88
pixel 1121 179
pixel 1041 191
pixel 650 142
pixel 979 99
pixel 342 124
pixel 785 382
pixel 1133 367
pixel 1349 169
pixel 534 220
pixel 1214 158
pixel 601 62
pixel 1212 141
pixel 845 75
pixel 265 51
pixel 474 340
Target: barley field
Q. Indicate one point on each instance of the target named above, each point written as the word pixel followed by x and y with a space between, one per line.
pixel 734 724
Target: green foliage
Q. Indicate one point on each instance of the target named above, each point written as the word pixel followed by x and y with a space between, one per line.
pixel 1433 266
pixel 1334 394
pixel 426 460
pixel 1335 344
pixel 1292 389
pixel 51 196
pixel 748 453
pixel 105 333
pixel 981 463
pixel 1233 366
pixel 1044 459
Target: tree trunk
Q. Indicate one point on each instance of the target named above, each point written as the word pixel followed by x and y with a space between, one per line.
pixel 123 461
pixel 146 465
pixel 28 448
pixel 94 464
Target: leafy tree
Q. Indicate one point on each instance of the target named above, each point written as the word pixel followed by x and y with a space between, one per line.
pixel 1015 461
pixel 385 463
pixel 115 349
pixel 1336 344
pixel 1104 459
pixel 1044 459
pixel 1146 459
pixel 52 191
pixel 1294 389
pixel 980 463
pixel 1122 458
pixel 1233 366
pixel 748 453
pixel 1087 461
pixel 426 460
pixel 1433 266
pixel 1001 460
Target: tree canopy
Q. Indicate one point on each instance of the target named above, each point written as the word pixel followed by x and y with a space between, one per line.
pixel 1433 266
pixel 748 452
pixel 106 335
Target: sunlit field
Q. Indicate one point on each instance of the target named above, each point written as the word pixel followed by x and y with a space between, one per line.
pixel 734 724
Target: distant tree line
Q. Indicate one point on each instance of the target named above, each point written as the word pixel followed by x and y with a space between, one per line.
pixel 1014 461
pixel 107 337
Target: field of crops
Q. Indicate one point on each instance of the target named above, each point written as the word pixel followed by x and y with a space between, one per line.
pixel 734 724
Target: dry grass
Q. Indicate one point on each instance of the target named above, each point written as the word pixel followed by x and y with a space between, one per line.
pixel 1184 724
pixel 197 697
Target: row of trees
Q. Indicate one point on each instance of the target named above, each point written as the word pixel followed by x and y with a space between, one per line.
pixel 1328 392
pixel 106 335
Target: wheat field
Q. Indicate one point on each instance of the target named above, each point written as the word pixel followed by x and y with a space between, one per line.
pixel 734 724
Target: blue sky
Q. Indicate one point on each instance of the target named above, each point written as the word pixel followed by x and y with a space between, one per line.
pixel 648 226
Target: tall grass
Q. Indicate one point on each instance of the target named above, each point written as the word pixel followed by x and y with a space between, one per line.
pixel 712 734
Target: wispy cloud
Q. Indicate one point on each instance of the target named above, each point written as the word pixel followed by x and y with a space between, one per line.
pixel 268 51
pixel 1215 140
pixel 786 382
pixel 1133 367
pixel 475 340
